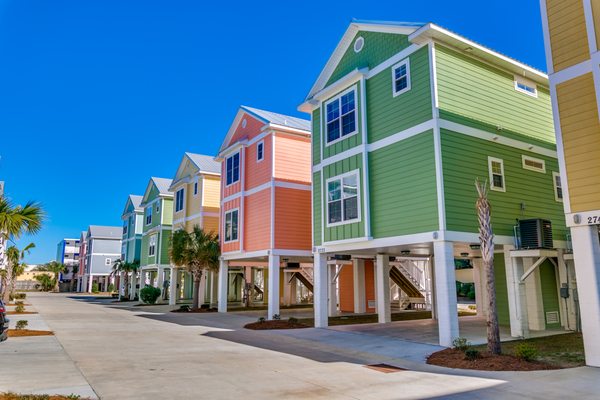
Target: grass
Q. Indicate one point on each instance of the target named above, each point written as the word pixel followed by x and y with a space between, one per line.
pixel 563 350
pixel 18 396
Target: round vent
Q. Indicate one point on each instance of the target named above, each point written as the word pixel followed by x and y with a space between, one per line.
pixel 359 43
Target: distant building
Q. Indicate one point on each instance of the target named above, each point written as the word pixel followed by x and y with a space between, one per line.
pixel 67 253
pixel 2 238
pixel 102 249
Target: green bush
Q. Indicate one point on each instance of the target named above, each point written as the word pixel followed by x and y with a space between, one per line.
pixel 261 319
pixel 95 287
pixel 526 351
pixel 149 294
pixel 276 317
pixel 471 354
pixel 20 307
pixel 293 320
pixel 111 288
pixel 17 296
pixel 21 324
pixel 461 343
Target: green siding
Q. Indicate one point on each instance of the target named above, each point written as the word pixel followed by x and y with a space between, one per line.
pixel 549 291
pixel 165 242
pixel 465 158
pixel 501 289
pixel 144 259
pixel 316 135
pixel 317 208
pixel 350 230
pixel 350 141
pixel 403 187
pixel 476 91
pixel 378 47
pixel 387 114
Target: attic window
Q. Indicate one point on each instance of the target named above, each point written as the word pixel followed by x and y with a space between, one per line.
pixel 534 164
pixel 359 43
pixel 244 123
pixel 525 86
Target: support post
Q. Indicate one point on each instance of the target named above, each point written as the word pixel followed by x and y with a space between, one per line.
pixel 223 284
pixel 321 286
pixel 287 289
pixel 360 303
pixel 132 283
pixel 90 282
pixel 517 298
pixel 445 288
pixel 480 287
pixel 273 295
pixel 333 298
pixel 214 289
pixel 173 286
pixel 160 279
pixel 202 289
pixel 382 275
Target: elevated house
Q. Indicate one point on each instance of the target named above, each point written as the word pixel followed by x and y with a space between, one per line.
pixel 102 249
pixel 265 211
pixel 405 117
pixel 131 242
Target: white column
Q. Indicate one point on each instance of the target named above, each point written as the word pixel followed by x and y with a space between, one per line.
pixel 517 299
pixel 202 291
pixel 90 278
pixel 160 279
pixel 223 284
pixel 121 287
pixel 132 283
pixel 287 288
pixel 273 295
pixel 173 286
pixel 293 291
pixel 535 301
pixel 445 289
pixel 382 286
pixel 142 279
pixel 358 273
pixel 480 290
pixel 321 286
pixel 214 289
pixel 586 252
pixel 333 298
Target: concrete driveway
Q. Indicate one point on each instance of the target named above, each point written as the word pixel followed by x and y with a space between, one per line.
pixel 131 353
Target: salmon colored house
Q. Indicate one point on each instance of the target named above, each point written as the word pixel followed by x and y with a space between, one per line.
pixel 265 227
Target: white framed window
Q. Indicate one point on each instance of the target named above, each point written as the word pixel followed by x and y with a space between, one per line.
pixel 152 246
pixel 196 187
pixel 231 225
pixel 496 169
pixel 260 151
pixel 125 226
pixel 341 116
pixel 148 215
pixel 179 200
pixel 107 261
pixel 343 199
pixel 558 191
pixel 525 86
pixel 158 206
pixel 232 169
pixel 401 77
pixel 534 164
pixel 359 43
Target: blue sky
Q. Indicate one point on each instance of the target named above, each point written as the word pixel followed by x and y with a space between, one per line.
pixel 96 96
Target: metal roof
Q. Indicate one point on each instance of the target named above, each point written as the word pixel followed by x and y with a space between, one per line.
pixel 135 201
pixel 279 119
pixel 162 184
pixel 112 232
pixel 205 163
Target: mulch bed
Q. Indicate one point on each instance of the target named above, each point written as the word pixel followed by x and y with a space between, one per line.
pixel 27 332
pixel 274 324
pixel 453 358
pixel 19 313
pixel 198 310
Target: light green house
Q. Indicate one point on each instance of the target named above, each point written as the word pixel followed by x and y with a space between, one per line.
pixel 405 118
pixel 131 242
pixel 157 204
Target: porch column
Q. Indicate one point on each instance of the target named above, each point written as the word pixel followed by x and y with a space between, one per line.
pixel 333 297
pixel 535 301
pixel 202 289
pixel 445 288
pixel 223 284
pixel 142 279
pixel 286 288
pixel 480 289
pixel 173 281
pixel 214 288
pixel 273 295
pixel 90 282
pixel 321 286
pixel 517 298
pixel 132 283
pixel 293 291
pixel 160 280
pixel 121 287
pixel 382 278
pixel 586 252
pixel 358 272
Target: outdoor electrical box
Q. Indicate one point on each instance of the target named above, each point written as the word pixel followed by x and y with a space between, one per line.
pixel 536 234
pixel 564 291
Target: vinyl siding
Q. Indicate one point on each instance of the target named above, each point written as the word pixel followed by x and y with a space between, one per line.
pixel 292 222
pixel 165 243
pixel 167 209
pixel 316 136
pixel 231 246
pixel 568 35
pixel 549 291
pixel 581 141
pixel 259 172
pixel 252 129
pixel 403 187
pixel 211 224
pixel 472 90
pixel 212 191
pixel 346 288
pixel 257 221
pixel 465 158
pixel 292 159
pixel 387 114
pixel 316 214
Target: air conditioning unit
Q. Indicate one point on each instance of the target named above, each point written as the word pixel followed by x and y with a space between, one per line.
pixel 536 234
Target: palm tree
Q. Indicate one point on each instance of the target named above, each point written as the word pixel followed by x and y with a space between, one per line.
pixel 56 268
pixel 196 251
pixel 486 238
pixel 17 267
pixel 75 270
pixel 127 268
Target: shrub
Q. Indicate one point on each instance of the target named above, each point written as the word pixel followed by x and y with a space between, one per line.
pixel 17 296
pixel 293 320
pixel 95 288
pixel 20 307
pixel 526 351
pixel 149 294
pixel 461 343
pixel 276 317
pixel 471 294
pixel 184 308
pixel 471 354
pixel 261 320
pixel 21 324
pixel 111 287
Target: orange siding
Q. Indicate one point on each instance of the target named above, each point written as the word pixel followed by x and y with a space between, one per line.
pixel 346 285
pixel 258 172
pixel 251 130
pixel 292 158
pixel 293 219
pixel 232 246
pixel 257 221
pixel 235 187
pixel 369 284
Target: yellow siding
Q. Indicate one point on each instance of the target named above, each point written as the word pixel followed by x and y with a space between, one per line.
pixel 596 14
pixel 212 191
pixel 568 35
pixel 211 224
pixel 177 214
pixel 581 140
pixel 193 204
pixel 189 225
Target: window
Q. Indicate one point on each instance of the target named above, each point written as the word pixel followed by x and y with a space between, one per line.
pixel 148 214
pixel 179 200
pixel 125 228
pixel 231 226
pixel 401 77
pixel 525 86
pixel 534 164
pixel 107 261
pixel 233 168
pixel 342 199
pixel 196 187
pixel 260 151
pixel 152 245
pixel 496 168
pixel 558 191
pixel 341 116
pixel 157 207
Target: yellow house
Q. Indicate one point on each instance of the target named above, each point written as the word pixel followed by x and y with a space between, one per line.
pixel 196 191
pixel 572 37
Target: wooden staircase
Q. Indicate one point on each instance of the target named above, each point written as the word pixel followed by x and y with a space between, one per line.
pixel 405 284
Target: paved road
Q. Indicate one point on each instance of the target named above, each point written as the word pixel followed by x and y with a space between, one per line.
pixel 134 353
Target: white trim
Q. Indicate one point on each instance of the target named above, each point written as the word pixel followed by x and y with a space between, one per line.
pixel 554 175
pixel 272 211
pixel 260 144
pixel 241 225
pixel 491 174
pixel 195 189
pixel 437 140
pixel 360 41
pixel 583 218
pixel 338 98
pixel 547 43
pixel 341 84
pixel 202 191
pixel 231 211
pixel 152 245
pixel 322 194
pixel 339 157
pixel 525 158
pixel 197 215
pixel 346 241
pixel 182 190
pixel 264 186
pixel 239 153
pixel 519 80
pixel 365 157
pixel 562 167
pixel 571 72
pixel 589 23
pixel 405 62
pixel 355 173
pixel 243 255
pixel 405 53
pixel 434 82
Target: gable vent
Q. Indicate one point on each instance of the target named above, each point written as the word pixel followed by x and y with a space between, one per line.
pixel 552 317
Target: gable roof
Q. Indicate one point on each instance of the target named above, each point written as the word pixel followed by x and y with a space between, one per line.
pixel 105 232
pixel 274 119
pixel 135 202
pixel 204 164
pixel 161 184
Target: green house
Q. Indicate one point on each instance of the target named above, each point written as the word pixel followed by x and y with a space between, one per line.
pixel 405 118
pixel 131 242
